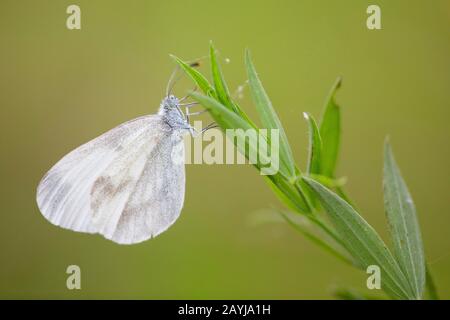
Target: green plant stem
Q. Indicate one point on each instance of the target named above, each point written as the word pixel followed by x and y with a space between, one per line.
pixel 299 188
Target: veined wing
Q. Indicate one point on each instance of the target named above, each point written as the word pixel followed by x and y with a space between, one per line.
pixel 69 195
pixel 141 194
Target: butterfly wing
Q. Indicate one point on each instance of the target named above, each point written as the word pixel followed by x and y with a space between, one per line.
pixel 97 188
pixel 141 194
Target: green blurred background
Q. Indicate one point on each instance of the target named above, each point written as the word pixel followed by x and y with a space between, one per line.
pixel 60 88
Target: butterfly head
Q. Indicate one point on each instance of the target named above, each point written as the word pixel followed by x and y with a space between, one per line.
pixel 170 102
pixel 172 114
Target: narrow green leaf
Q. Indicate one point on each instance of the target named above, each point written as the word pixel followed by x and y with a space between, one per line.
pixel 268 116
pixel 315 146
pixel 330 132
pixel 243 115
pixel 328 182
pixel 334 184
pixel 303 192
pixel 362 241
pixel 196 76
pixel 223 94
pixel 288 193
pixel 221 88
pixel 227 119
pixel 340 191
pixel 403 224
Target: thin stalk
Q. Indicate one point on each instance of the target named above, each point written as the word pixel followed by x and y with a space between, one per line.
pixel 298 187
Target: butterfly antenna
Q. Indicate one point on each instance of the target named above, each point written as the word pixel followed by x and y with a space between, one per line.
pixel 171 81
pixel 173 77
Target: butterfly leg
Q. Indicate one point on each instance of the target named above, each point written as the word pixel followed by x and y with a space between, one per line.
pixel 196 113
pixel 195 133
pixel 188 114
pixel 188 105
pixel 210 126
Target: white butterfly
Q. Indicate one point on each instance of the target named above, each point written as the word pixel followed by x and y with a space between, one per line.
pixel 124 184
